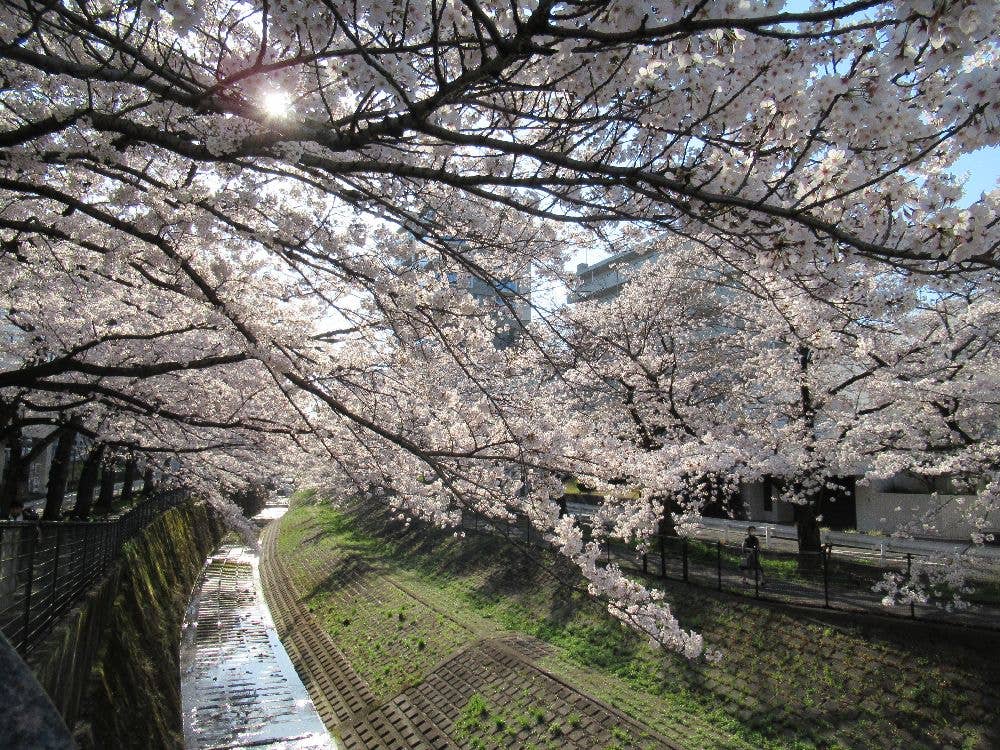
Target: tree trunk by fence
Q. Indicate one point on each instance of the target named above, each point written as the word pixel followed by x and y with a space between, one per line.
pixel 15 485
pixel 59 473
pixel 106 497
pixel 807 527
pixel 88 482
pixel 131 474
pixel 15 472
pixel 666 526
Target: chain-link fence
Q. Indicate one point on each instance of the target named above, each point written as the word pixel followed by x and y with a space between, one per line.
pixel 46 566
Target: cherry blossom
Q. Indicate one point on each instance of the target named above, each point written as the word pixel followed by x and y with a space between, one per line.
pixel 232 234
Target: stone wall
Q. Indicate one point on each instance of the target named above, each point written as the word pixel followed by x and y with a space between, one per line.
pixel 111 665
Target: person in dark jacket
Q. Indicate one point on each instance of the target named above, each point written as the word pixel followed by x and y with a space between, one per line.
pixel 751 556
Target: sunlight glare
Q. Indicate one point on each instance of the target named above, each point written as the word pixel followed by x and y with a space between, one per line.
pixel 276 103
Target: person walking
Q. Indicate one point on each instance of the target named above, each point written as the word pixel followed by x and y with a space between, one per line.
pixel 751 556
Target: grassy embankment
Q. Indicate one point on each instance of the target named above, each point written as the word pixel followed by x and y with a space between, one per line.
pixel 398 601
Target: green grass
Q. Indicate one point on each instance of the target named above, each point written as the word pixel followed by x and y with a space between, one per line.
pixel 392 639
pixel 486 724
pixel 783 683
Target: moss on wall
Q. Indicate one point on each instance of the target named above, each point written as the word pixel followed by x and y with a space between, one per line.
pixel 111 666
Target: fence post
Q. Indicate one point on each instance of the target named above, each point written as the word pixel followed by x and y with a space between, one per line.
pixel 28 585
pixel 825 551
pixel 909 578
pixel 84 575
pixel 97 541
pixel 105 547
pixel 756 575
pixel 55 562
pixel 663 557
pixel 718 562
pixel 684 558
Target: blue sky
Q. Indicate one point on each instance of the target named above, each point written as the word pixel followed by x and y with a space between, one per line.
pixel 983 167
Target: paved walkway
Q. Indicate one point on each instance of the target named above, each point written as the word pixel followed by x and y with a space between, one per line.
pixel 238 687
pixel 782 537
pixel 36 502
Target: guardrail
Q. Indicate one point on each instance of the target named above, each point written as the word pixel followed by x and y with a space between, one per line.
pixel 46 566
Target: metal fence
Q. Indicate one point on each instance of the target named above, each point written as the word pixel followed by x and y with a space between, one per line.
pixel 820 579
pixel 46 566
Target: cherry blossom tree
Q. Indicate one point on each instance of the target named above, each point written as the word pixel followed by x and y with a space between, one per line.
pixel 214 217
pixel 717 370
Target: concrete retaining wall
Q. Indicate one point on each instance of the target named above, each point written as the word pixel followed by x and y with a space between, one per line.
pixel 111 665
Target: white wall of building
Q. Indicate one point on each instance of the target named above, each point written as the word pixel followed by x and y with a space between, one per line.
pixel 923 514
pixel 754 500
pixel 927 515
pixel 604 280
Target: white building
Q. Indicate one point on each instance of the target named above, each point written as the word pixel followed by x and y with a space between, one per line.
pixel 507 296
pixel 604 280
pixel 933 508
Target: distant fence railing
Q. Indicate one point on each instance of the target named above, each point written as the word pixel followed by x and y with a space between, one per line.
pixel 818 579
pixel 46 566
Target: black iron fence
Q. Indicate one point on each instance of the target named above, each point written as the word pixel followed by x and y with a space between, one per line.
pixel 821 579
pixel 46 566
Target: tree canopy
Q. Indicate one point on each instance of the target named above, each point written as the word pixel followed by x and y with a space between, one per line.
pixel 230 232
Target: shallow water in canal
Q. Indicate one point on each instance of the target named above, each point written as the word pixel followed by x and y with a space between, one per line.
pixel 238 687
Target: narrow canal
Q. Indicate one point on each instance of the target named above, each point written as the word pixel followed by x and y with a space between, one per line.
pixel 238 687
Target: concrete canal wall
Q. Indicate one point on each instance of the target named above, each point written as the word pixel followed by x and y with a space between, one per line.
pixel 111 665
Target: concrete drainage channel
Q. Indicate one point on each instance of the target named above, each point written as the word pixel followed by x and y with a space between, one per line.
pixel 238 687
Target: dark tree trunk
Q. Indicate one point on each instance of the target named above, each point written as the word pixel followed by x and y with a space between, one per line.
pixel 15 473
pixel 107 494
pixel 59 473
pixel 807 527
pixel 131 474
pixel 15 485
pixel 666 525
pixel 88 482
pixel 147 481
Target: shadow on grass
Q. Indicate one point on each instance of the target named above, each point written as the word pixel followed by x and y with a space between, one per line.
pixel 786 680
